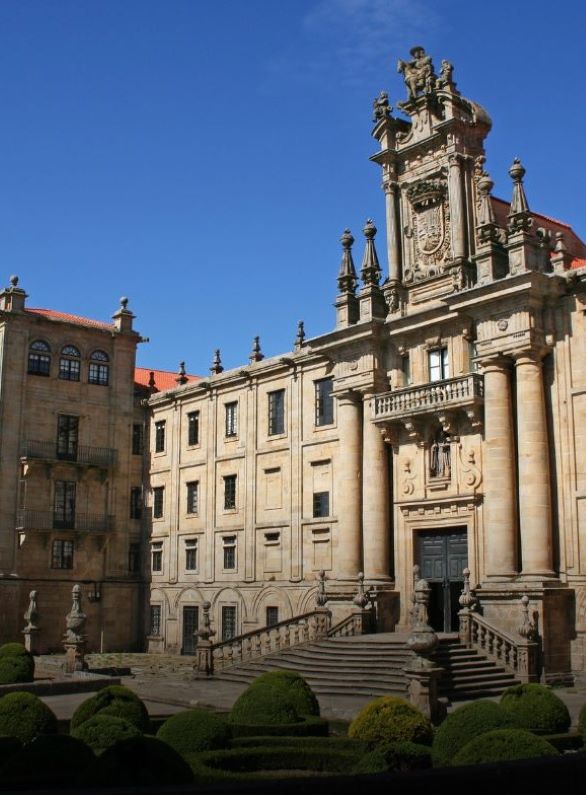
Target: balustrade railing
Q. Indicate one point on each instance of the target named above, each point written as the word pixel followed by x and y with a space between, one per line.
pixel 75 453
pixel 518 655
pixel 428 397
pixel 357 623
pixel 29 519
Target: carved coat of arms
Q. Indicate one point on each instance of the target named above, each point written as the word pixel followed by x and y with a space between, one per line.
pixel 429 226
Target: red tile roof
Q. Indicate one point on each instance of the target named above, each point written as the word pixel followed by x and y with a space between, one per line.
pixel 164 379
pixel 575 246
pixel 65 317
pixel 577 263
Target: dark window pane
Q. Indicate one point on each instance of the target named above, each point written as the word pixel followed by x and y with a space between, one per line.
pixel 64 507
pixel 39 364
pixel 228 623
pixel 134 558
pixel 193 428
pixel 231 419
pixel 136 502
pixel 277 412
pixel 67 436
pixel 158 500
pixel 99 374
pixel 229 492
pixel 62 554
pixel 321 503
pixel 155 628
pixel 324 402
pixel 160 436
pixel 192 497
pixel 272 616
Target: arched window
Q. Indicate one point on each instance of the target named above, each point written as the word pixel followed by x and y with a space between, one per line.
pixel 69 363
pixel 99 372
pixel 39 358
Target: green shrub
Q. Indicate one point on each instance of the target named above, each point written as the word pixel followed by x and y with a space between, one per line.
pixel 115 700
pixel 328 743
pixel 195 730
pixel 142 762
pixel 390 719
pixel 406 756
pixel 277 697
pixel 16 664
pixel 308 727
pixel 102 731
pixel 52 761
pixel 371 762
pixel 503 745
pixel 25 716
pixel 536 708
pixel 299 693
pixel 464 724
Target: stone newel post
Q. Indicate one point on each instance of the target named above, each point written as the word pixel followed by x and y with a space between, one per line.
pixel 422 672
pixel 75 639
pixel 204 658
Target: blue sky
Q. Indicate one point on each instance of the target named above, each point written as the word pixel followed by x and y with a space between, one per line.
pixel 203 157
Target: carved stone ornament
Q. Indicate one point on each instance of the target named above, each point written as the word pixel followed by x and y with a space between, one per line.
pixel 471 475
pixel 380 107
pixel 76 618
pixel 408 478
pixel 429 228
pixel 418 73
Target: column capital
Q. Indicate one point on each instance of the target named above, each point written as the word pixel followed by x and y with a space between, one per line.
pixel 533 355
pixel 495 363
pixel 348 397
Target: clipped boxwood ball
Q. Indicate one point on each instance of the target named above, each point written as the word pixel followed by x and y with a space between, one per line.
pixel 406 756
pixel 25 716
pixel 299 693
pixel 276 697
pixel 390 719
pixel 503 745
pixel 16 664
pixel 102 731
pixel 194 730
pixel 536 708
pixel 142 762
pixel 52 760
pixel 464 724
pixel 115 700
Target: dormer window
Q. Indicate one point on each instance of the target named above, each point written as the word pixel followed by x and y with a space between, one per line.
pixel 70 363
pixel 39 358
pixel 99 372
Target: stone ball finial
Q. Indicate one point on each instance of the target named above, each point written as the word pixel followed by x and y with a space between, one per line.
pixel 517 170
pixel 485 184
pixel 14 281
pixel 369 229
pixel 347 240
pixel 123 302
pixel 206 605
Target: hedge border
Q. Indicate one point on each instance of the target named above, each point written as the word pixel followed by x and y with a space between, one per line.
pixel 310 727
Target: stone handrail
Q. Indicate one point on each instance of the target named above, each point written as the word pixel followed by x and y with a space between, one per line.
pixel 357 623
pixel 518 655
pixel 428 397
pixel 265 640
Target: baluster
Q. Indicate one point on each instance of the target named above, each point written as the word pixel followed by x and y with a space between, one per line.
pixel 264 643
pixel 286 636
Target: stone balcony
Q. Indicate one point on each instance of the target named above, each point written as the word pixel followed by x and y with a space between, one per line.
pixel 86 455
pixel 441 399
pixel 30 519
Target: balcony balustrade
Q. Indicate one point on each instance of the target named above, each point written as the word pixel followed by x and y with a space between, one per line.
pixel 103 457
pixel 452 393
pixel 30 519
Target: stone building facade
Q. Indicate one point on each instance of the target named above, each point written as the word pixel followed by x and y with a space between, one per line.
pixel 439 424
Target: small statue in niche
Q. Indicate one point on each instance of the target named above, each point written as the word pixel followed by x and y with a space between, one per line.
pixel 440 463
pixel 418 74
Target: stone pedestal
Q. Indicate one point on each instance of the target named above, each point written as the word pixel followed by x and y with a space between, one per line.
pixel 75 657
pixel 204 660
pixel 423 679
pixel 32 640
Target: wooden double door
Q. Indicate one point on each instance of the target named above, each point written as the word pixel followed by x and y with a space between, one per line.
pixel 443 556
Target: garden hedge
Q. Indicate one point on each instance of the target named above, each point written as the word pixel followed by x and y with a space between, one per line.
pixel 102 731
pixel 536 708
pixel 195 730
pixel 142 762
pixel 389 719
pixel 309 727
pixel 503 745
pixel 328 743
pixel 406 756
pixel 51 761
pixel 25 716
pixel 464 724
pixel 276 697
pixel 16 664
pixel 117 701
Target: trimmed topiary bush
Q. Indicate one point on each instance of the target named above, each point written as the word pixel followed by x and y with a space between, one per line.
pixel 464 724
pixel 16 664
pixel 406 756
pixel 115 700
pixel 276 697
pixel 25 716
pixel 142 762
pixel 102 731
pixel 195 730
pixel 503 745
pixel 390 719
pixel 299 693
pixel 536 708
pixel 52 761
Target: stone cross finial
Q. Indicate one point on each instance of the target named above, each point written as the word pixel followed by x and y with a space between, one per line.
pixel 347 276
pixel 256 355
pixel 370 271
pixel 300 338
pixel 216 367
pixel 181 376
pixel 520 219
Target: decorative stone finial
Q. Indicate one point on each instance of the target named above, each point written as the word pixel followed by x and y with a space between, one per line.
pixel 527 629
pixel 422 639
pixel 216 367
pixel 321 596
pixel 152 383
pixel 256 355
pixel 370 271
pixel 32 614
pixel 14 281
pixel 418 74
pixel 300 338
pixel 467 599
pixel 361 599
pixel 181 376
pixel 520 219
pixel 123 303
pixel 381 108
pixel 206 632
pixel 76 618
pixel 347 276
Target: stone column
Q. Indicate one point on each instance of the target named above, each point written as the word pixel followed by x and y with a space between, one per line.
pixel 375 498
pixel 393 237
pixel 457 219
pixel 499 472
pixel 348 507
pixel 534 478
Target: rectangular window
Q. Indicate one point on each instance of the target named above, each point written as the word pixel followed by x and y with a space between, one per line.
pixel 439 365
pixel 321 503
pixel 324 402
pixel 230 492
pixel 64 507
pixel 231 419
pixel 155 627
pixel 134 558
pixel 193 497
pixel 39 364
pixel 136 502
pixel 229 543
pixel 67 435
pixel 69 369
pixel 160 436
pixel 191 554
pixel 406 369
pixel 276 412
pixel 157 556
pixel 99 374
pixel 62 554
pixel 228 622
pixel 158 502
pixel 137 439
pixel 193 428
pixel 272 616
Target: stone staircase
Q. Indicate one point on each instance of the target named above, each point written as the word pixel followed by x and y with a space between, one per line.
pixel 372 665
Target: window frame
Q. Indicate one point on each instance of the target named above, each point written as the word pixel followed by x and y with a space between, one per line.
pixel 67 441
pixel 137 438
pixel 155 625
pixel 321 504
pixel 64 504
pixel 160 434
pixel 156 557
pixel 99 369
pixel 70 356
pixel 230 492
pixel 158 502
pixel 190 546
pixel 135 502
pixel 192 428
pixel 229 553
pixel 231 419
pixel 269 622
pixel 324 402
pixel 234 614
pixel 276 412
pixel 192 497
pixel 39 352
pixel 62 560
pixel 441 366
pixel 134 557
